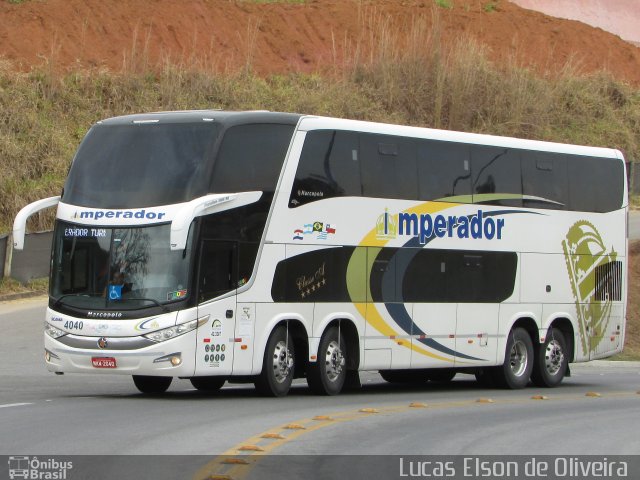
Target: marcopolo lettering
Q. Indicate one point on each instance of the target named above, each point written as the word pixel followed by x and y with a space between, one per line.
pixel 124 214
pixel 426 226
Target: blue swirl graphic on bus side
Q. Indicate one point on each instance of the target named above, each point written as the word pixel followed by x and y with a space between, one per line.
pixel 398 311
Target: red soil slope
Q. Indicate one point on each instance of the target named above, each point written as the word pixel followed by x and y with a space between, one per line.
pixel 284 37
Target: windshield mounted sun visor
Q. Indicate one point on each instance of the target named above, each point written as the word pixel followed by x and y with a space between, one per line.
pixel 206 205
pixel 20 222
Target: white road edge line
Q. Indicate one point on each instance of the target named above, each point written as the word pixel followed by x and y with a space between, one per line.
pixel 14 405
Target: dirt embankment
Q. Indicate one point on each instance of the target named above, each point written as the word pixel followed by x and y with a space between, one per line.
pixel 280 37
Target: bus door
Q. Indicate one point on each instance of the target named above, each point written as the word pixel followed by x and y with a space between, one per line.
pixel 387 340
pixel 217 283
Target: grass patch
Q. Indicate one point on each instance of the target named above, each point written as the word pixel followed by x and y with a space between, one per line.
pixel 448 4
pixel 415 81
pixel 9 286
pixel 489 7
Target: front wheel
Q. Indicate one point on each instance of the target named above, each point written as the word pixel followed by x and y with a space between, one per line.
pixel 207 384
pixel 515 372
pixel 152 385
pixel 551 360
pixel 327 375
pixel 277 366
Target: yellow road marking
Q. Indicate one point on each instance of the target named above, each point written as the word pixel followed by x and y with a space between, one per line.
pixel 237 462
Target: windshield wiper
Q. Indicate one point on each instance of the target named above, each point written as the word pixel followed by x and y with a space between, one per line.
pixel 58 301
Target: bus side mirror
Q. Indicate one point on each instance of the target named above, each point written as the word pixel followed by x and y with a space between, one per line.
pixel 20 222
pixel 206 205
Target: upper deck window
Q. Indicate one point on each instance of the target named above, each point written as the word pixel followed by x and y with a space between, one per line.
pixel 251 158
pixel 141 165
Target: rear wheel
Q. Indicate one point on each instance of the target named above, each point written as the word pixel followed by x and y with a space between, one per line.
pixel 207 384
pixel 151 385
pixel 327 375
pixel 515 372
pixel 551 360
pixel 278 365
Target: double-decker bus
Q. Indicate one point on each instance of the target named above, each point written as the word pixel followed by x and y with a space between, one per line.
pixel 262 247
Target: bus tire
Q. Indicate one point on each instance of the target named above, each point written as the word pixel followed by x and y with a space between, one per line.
pixel 208 384
pixel 152 385
pixel 551 360
pixel 515 372
pixel 327 375
pixel 277 366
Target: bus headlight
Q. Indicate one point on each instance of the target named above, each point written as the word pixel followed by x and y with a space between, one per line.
pixel 52 331
pixel 175 331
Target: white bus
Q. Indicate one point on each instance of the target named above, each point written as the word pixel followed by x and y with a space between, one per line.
pixel 262 247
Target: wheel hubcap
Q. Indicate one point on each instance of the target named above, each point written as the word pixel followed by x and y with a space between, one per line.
pixel 553 357
pixel 518 358
pixel 334 361
pixel 282 362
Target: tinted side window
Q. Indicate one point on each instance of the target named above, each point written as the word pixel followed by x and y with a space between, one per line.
pixel 544 180
pixel 251 158
pixel 242 226
pixel 459 276
pixel 218 269
pixel 496 176
pixel 388 167
pixel 443 170
pixel 595 184
pixel 329 167
pixel 317 276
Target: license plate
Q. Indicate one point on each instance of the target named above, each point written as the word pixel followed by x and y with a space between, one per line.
pixel 103 362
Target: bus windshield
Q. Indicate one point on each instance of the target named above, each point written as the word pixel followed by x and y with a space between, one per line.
pixel 117 268
pixel 120 166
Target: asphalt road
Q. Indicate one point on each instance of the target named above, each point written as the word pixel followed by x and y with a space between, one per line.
pixel 45 414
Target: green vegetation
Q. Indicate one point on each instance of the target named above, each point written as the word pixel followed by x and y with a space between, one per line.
pixel 9 286
pixel 444 3
pixel 489 7
pixel 43 116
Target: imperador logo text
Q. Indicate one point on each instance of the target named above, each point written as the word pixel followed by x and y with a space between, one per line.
pixel 426 226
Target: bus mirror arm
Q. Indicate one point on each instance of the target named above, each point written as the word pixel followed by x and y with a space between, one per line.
pixel 206 205
pixel 20 222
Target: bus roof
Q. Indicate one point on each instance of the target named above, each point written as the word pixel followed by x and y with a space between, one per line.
pixel 312 122
pixel 227 118
pixel 324 123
